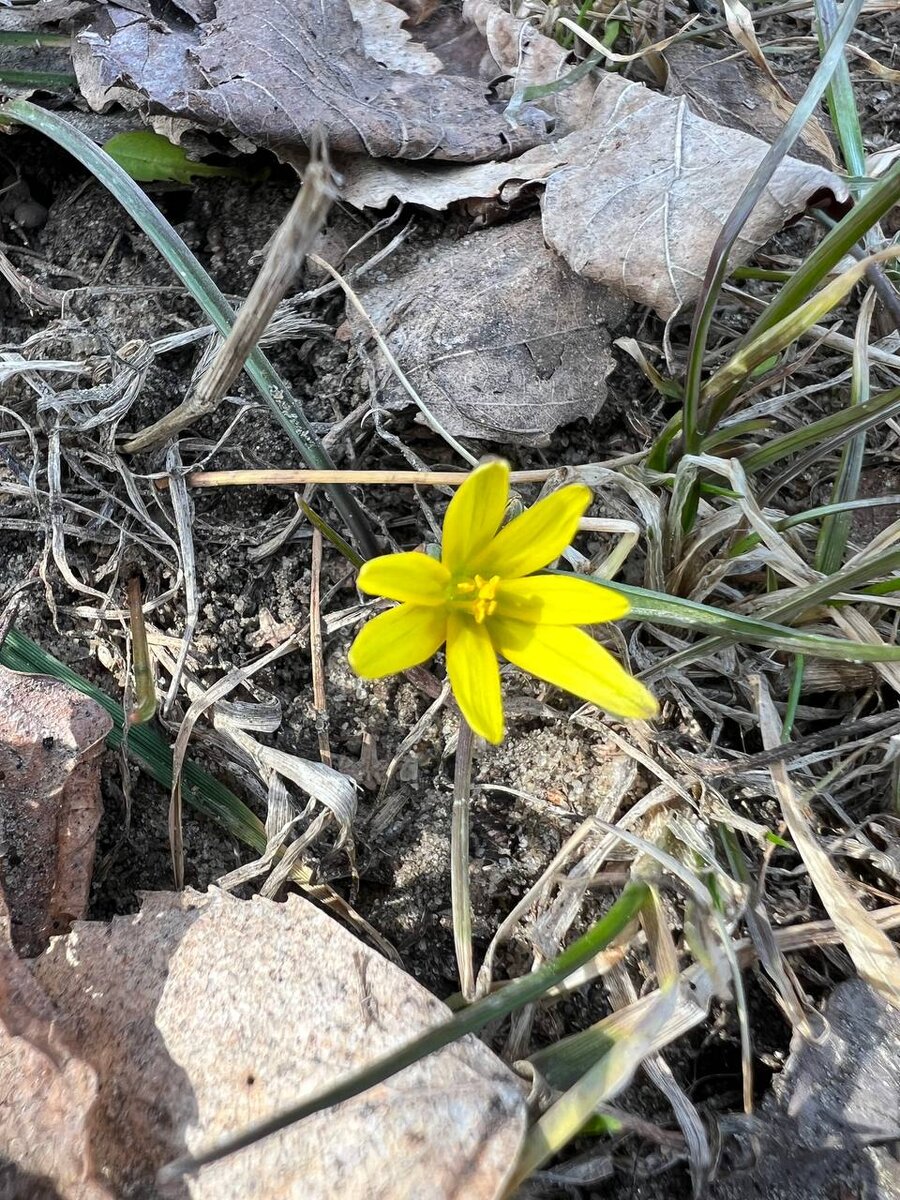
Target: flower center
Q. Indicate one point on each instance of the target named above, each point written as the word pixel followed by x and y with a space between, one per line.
pixel 479 596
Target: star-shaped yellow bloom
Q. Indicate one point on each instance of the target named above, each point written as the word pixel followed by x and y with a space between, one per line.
pixel 483 601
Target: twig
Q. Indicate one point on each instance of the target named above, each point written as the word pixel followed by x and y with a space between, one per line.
pixel 298 478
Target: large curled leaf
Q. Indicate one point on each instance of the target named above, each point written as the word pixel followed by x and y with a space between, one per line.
pixel 285 74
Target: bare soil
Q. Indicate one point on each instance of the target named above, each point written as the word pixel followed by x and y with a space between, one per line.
pixel 552 771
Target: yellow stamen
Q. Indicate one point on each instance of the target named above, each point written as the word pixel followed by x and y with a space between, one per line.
pixel 485 601
pixel 478 596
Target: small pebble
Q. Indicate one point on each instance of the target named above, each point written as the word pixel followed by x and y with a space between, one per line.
pixel 29 214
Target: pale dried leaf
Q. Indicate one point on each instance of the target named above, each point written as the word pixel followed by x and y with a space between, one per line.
pixel 643 201
pixel 499 338
pixel 386 41
pixel 874 955
pixel 627 199
pixel 51 739
pixel 46 1093
pixel 204 1014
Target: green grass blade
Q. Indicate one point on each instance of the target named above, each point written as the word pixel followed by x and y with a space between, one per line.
pixel 777 338
pixel 826 433
pixel 273 389
pixel 44 81
pixel 839 95
pixel 837 243
pixel 835 531
pixel 525 990
pixel 813 514
pixel 704 618
pixel 609 1074
pixel 14 38
pixel 879 199
pixel 718 266
pixel 800 600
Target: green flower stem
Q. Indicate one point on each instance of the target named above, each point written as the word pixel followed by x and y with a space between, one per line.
pixel 460 898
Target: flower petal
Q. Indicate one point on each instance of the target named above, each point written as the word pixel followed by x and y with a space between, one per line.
pixel 474 514
pixel 571 659
pixel 416 577
pixel 536 537
pixel 475 675
pixel 398 639
pixel 559 600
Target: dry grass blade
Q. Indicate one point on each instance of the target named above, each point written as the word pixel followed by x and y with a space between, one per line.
pixel 293 241
pixel 183 509
pixel 872 952
pixel 316 651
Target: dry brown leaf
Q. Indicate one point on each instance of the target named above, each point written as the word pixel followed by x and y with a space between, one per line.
pixel 46 1093
pixel 645 195
pixel 51 739
pixel 203 1014
pixel 725 88
pixel 874 955
pixel 285 74
pixel 498 337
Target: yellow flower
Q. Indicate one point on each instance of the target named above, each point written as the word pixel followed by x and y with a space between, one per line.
pixel 483 601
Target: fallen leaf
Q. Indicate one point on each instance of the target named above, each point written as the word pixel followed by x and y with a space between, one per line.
pixel 51 739
pixel 726 88
pixel 385 40
pixel 203 1014
pixel 645 196
pixel 498 337
pixel 288 74
pixel 46 1094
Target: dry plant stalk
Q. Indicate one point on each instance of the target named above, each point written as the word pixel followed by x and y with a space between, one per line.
pixel 873 954
pixel 296 478
pixel 288 249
